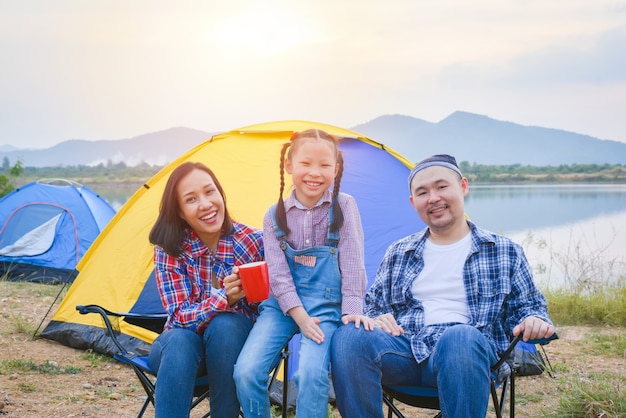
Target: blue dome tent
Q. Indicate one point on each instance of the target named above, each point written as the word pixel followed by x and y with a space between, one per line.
pixel 46 227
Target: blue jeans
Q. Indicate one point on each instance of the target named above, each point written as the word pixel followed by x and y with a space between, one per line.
pixel 269 335
pixel 364 360
pixel 180 355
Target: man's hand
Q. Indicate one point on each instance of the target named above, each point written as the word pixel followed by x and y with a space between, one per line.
pixel 534 328
pixel 388 323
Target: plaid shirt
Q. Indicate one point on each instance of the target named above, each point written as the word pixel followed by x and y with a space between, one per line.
pixel 498 284
pixel 184 282
pixel 309 227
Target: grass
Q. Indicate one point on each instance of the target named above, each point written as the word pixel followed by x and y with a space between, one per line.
pixel 595 296
pixel 96 359
pixel 596 395
pixel 29 366
pixel 604 306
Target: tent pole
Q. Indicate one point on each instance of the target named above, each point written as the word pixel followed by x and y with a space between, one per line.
pixel 69 280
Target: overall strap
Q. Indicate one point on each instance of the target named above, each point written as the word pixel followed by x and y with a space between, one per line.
pixel 332 238
pixel 280 234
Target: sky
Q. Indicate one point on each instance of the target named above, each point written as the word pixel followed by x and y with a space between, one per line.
pixel 115 69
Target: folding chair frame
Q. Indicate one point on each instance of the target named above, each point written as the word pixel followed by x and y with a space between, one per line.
pixel 428 398
pixel 140 366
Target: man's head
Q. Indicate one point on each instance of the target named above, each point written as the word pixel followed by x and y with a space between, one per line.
pixel 437 192
pixel 443 160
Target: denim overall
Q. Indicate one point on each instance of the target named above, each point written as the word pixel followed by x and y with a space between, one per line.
pixel 315 272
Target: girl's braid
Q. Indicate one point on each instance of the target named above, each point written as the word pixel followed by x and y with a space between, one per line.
pixel 337 212
pixel 281 216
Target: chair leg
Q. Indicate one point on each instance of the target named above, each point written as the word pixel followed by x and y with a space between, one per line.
pixel 285 355
pixel 512 395
pixel 393 410
pixel 148 387
pixel 497 403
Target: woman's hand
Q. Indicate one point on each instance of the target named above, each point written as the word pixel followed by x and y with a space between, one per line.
pixel 232 286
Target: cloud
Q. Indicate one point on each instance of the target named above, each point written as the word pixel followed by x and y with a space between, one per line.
pixel 591 60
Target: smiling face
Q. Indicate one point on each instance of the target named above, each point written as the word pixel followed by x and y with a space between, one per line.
pixel 201 205
pixel 437 195
pixel 313 167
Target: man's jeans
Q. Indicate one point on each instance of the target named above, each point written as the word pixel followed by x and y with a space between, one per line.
pixel 178 355
pixel 363 360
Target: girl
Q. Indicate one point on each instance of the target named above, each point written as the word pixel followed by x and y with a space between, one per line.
pixel 314 247
pixel 197 246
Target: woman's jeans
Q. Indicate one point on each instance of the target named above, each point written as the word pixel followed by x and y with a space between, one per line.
pixel 178 356
pixel 364 360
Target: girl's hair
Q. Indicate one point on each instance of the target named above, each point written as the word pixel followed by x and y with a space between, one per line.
pixel 296 140
pixel 170 229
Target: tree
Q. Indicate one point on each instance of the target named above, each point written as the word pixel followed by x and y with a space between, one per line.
pixel 5 182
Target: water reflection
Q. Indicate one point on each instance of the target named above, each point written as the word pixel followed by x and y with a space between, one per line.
pixel 510 209
pixel 591 252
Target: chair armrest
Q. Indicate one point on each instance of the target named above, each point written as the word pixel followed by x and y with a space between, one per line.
pixel 104 314
pixel 514 341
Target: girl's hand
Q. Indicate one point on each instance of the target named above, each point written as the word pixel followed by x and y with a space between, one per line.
pixel 368 323
pixel 308 325
pixel 388 323
pixel 311 330
pixel 232 286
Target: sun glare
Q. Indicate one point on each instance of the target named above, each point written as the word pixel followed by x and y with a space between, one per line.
pixel 263 31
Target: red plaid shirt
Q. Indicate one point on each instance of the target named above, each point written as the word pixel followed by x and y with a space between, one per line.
pixel 184 282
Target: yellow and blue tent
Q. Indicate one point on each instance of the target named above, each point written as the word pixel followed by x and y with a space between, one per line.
pixel 117 272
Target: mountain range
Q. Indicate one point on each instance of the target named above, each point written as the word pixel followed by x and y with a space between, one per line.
pixel 470 137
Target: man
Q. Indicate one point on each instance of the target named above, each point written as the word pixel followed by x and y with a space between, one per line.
pixel 444 302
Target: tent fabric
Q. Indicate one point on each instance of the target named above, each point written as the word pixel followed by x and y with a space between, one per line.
pixel 118 272
pixel 46 228
pixel 34 242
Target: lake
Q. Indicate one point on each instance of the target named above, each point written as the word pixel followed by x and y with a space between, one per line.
pixel 569 232
pixel 572 234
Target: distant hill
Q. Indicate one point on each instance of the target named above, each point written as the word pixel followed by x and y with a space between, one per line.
pixel 470 137
pixel 157 148
pixel 482 140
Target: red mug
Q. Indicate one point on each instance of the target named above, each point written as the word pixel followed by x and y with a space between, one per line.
pixel 255 280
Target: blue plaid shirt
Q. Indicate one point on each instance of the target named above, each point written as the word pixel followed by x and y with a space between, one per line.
pixel 498 283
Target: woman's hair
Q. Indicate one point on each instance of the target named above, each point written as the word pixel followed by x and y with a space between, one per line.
pixel 296 140
pixel 168 231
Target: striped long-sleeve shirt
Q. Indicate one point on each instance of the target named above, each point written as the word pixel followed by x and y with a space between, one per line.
pixel 309 227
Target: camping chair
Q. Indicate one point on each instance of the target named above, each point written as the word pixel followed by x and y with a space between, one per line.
pixel 139 363
pixel 428 398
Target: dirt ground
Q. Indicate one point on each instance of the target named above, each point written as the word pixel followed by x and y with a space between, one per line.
pixel 41 378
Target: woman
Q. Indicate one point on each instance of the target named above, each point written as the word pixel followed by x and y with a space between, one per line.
pixel 197 247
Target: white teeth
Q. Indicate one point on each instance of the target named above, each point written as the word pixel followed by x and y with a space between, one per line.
pixel 211 215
